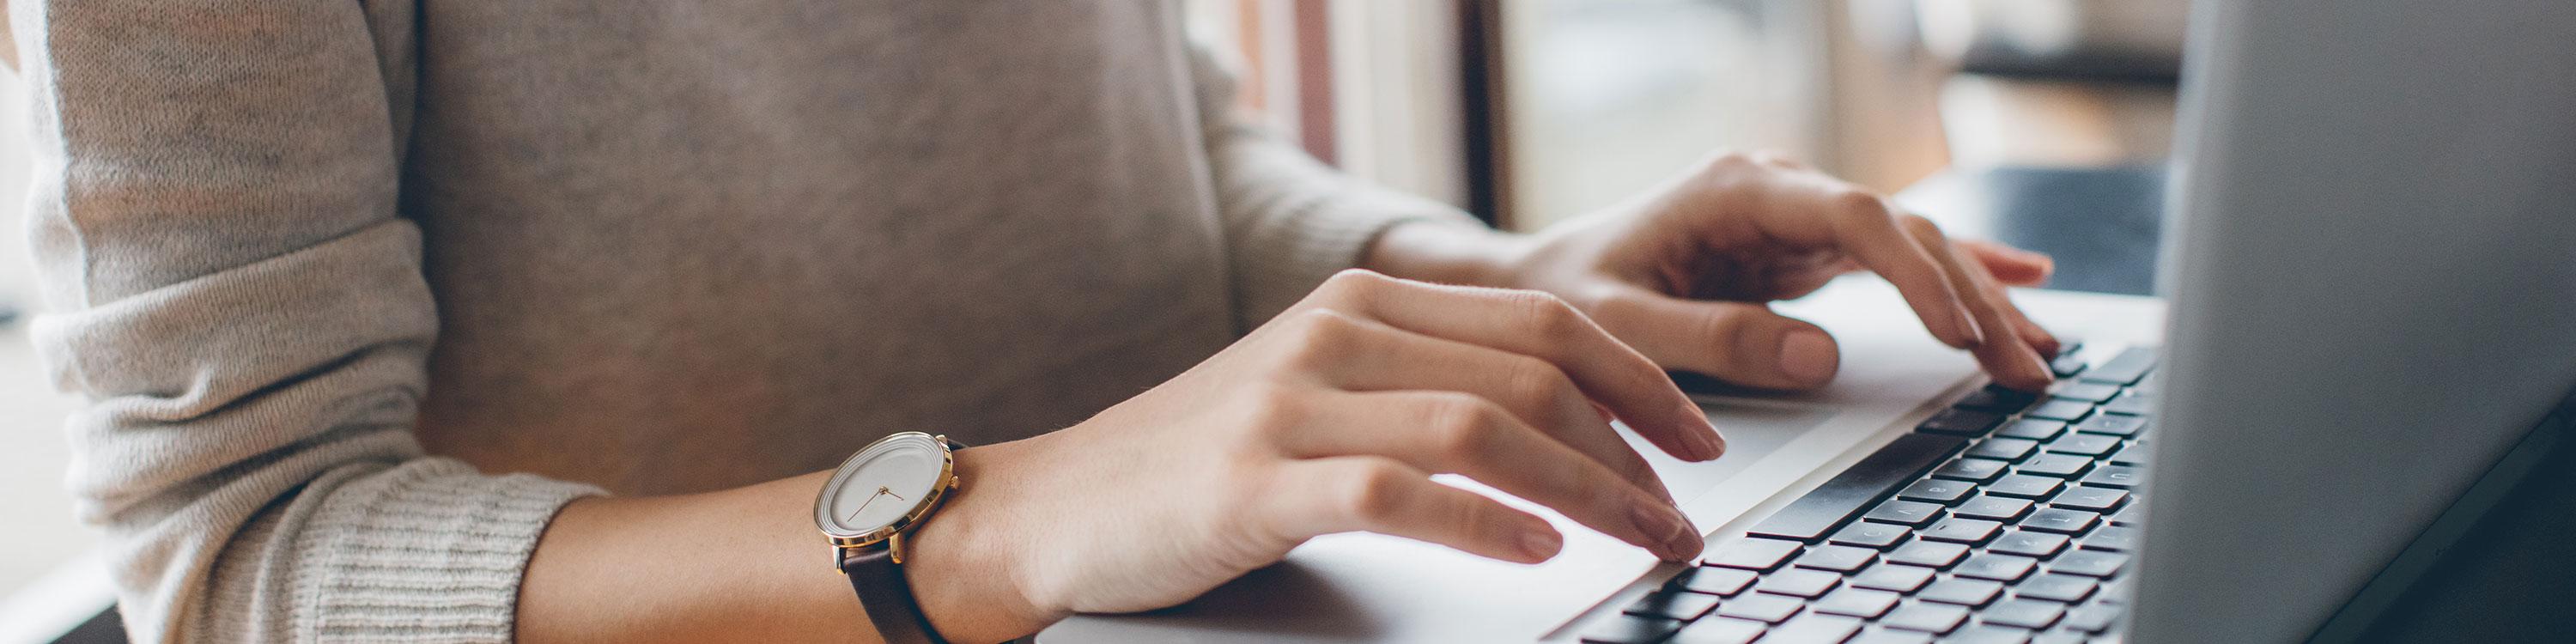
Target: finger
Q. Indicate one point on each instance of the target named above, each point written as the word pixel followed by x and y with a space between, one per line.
pixel 1865 227
pixel 1738 342
pixel 1534 391
pixel 1456 433
pixel 2012 362
pixel 2010 265
pixel 1539 325
pixel 1807 209
pixel 1377 494
pixel 2030 333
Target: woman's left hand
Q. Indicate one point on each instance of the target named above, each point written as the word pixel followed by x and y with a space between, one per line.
pixel 1683 273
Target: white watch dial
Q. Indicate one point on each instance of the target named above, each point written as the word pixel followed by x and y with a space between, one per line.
pixel 881 484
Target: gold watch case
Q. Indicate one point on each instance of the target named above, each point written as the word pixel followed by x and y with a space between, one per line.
pixel 891 534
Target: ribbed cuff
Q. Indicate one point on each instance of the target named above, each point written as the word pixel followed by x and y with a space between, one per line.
pixel 431 551
pixel 1323 237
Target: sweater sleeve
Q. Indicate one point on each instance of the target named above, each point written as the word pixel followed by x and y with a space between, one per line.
pixel 1289 220
pixel 214 219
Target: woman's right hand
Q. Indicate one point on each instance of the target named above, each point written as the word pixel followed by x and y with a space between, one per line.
pixel 1330 418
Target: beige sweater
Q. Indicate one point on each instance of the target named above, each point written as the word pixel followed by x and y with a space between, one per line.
pixel 327 269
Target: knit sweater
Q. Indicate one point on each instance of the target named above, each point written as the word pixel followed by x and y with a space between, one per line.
pixel 361 293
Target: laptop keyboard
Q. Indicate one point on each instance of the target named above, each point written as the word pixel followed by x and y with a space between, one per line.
pixel 2008 517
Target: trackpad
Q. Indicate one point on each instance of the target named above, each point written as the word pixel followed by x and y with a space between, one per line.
pixel 1753 430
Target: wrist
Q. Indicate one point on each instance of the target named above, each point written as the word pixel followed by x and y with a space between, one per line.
pixel 1448 252
pixel 959 562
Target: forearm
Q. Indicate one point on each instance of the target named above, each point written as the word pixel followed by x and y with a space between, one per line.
pixel 746 564
pixel 1444 252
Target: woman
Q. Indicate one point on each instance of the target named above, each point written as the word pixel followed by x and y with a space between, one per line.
pixel 377 302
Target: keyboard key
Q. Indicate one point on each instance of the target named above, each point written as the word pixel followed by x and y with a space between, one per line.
pixel 2115 591
pixel 1997 399
pixel 2003 449
pixel 2091 499
pixel 1855 602
pixel 1894 578
pixel 2024 486
pixel 2057 637
pixel 2137 454
pixel 2113 476
pixel 1630 629
pixel 2003 568
pixel 1961 422
pixel 2092 618
pixel 2131 404
pixel 1724 582
pixel 2084 444
pixel 2109 425
pixel 2066 365
pixel 1997 508
pixel 1680 606
pixel 1885 635
pixel 1870 535
pixel 1962 591
pixel 1959 530
pixel 1903 512
pixel 2029 544
pixel 1753 553
pixel 1722 630
pixel 2032 428
pixel 1761 608
pixel 1937 490
pixel 1929 554
pixel 1930 618
pixel 2061 521
pixel 2124 369
pixel 2064 466
pixel 2025 613
pixel 1812 627
pixel 2120 538
pixel 1970 469
pixel 2060 409
pixel 2090 563
pixel 1840 559
pixel 1812 516
pixel 2127 515
pixel 1989 634
pixel 2091 392
pixel 1798 583
pixel 2066 589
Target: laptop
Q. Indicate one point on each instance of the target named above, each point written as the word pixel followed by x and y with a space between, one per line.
pixel 2371 339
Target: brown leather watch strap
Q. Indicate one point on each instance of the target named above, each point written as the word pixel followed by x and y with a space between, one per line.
pixel 887 596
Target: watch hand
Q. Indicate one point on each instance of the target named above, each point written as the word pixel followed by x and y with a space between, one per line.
pixel 863 505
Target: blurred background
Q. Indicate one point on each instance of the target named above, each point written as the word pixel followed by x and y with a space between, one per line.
pixel 2043 123
pixel 2040 122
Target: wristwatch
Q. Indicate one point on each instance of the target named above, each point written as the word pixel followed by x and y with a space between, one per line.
pixel 872 501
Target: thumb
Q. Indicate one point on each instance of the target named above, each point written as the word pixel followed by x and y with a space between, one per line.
pixel 1739 342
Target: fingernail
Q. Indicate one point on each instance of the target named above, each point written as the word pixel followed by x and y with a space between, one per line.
pixel 1705 445
pixel 1540 544
pixel 1968 323
pixel 1666 527
pixel 2038 366
pixel 1808 356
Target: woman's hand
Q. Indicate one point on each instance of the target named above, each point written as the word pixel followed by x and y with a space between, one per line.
pixel 1330 418
pixel 1682 273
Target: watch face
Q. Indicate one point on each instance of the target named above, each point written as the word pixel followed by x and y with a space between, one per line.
pixel 881 484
